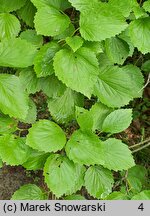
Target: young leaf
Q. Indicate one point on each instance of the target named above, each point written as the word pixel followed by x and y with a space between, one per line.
pixel 43 62
pixel 50 22
pixel 117 121
pixel 29 192
pixel 32 37
pixel 46 136
pixel 7 124
pixel 98 181
pixel 63 108
pixel 112 89
pixel 12 94
pixel 16 53
pixel 62 175
pixel 85 148
pixel 82 71
pixel 9 26
pixel 74 42
pixel 19 151
pixel 140 40
pixel 9 6
pixel 116 155
pixel 144 195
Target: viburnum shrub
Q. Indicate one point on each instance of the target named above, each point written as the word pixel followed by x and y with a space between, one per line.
pixel 71 52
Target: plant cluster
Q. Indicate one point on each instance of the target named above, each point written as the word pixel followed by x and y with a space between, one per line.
pixel 70 52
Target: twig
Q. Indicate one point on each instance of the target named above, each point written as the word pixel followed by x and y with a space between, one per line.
pixel 143 147
pixel 141 143
pixel 147 82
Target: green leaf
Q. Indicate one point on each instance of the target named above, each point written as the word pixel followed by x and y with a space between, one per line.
pixel 141 40
pixel 112 89
pixel 146 6
pixel 96 47
pixel 43 62
pixel 83 5
pixel 29 192
pixel 82 69
pixel 29 81
pixel 74 42
pixel 46 136
pixel 116 155
pixel 13 150
pixel 116 49
pixel 101 22
pixel 16 53
pixel 98 181
pixel 32 37
pixel 62 175
pixel 146 66
pixel 1 163
pixel 58 4
pixel 63 108
pixel 36 160
pixel 144 195
pixel 12 94
pixel 27 13
pixel 117 121
pixel 85 148
pixel 74 197
pixel 32 113
pixel 50 22
pixel 7 124
pixel 8 6
pixel 67 33
pixel 9 26
pixel 116 195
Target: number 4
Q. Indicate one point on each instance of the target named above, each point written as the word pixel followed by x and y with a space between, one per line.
pixel 141 207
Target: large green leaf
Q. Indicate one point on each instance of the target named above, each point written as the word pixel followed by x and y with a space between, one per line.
pixel 7 124
pixel 9 26
pixel 58 4
pixel 16 53
pixel 82 69
pixel 13 150
pixel 85 148
pixel 7 5
pixel 117 121
pixel 27 13
pixel 50 22
pixel 32 37
pixel 62 175
pixel 116 155
pixel 141 40
pixel 43 62
pixel 46 136
pixel 101 22
pixel 98 181
pixel 144 195
pixel 112 89
pixel 63 108
pixel 13 99
pixel 29 192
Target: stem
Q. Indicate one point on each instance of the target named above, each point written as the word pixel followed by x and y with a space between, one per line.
pixel 143 147
pixel 141 143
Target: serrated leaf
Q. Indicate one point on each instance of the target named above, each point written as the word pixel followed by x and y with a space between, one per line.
pixel 144 195
pixel 112 89
pixel 32 113
pixel 62 175
pixel 74 197
pixel 140 40
pixel 82 69
pixel 27 13
pixel 9 26
pixel 67 33
pixel 58 4
pixel 32 37
pixel 116 195
pixel 101 22
pixel 84 148
pixel 98 181
pixel 74 42
pixel 50 22
pixel 116 49
pixel 46 136
pixel 29 192
pixel 146 6
pixel 7 124
pixel 29 81
pixel 8 6
pixel 36 160
pixel 94 46
pixel 63 108
pixel 83 5
pixel 43 62
pixel 117 121
pixel 19 151
pixel 116 155
pixel 11 93
pixel 16 53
